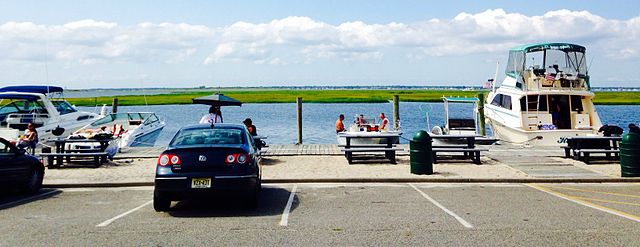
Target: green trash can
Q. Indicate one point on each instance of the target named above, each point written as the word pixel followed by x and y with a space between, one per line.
pixel 630 155
pixel 420 153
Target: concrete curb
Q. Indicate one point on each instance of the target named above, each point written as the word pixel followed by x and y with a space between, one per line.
pixel 377 180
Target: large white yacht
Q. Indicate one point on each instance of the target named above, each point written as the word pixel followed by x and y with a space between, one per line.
pixel 545 96
pixel 21 105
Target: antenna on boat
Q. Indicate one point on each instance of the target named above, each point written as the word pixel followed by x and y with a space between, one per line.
pixel 495 77
pixel 144 93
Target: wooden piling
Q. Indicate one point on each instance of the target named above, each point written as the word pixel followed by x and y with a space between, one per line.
pixel 481 114
pixel 299 113
pixel 114 105
pixel 396 112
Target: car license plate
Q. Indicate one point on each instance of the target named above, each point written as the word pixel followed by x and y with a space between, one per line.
pixel 200 183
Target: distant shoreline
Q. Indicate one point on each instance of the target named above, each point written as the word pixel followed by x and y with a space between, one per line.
pixel 323 96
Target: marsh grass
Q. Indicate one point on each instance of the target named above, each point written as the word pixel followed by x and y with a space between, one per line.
pixel 325 96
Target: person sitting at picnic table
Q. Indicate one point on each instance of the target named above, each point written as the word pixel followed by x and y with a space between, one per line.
pixel 361 121
pixel 30 138
pixel 340 124
pixel 214 116
pixel 384 125
pixel 252 128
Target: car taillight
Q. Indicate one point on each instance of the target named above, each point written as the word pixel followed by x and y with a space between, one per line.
pixel 168 159
pixel 242 158
pixel 236 159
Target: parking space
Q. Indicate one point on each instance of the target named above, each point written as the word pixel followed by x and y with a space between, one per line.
pixel 332 214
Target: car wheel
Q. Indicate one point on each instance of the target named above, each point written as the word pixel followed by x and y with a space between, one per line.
pixel 34 181
pixel 161 204
pixel 252 197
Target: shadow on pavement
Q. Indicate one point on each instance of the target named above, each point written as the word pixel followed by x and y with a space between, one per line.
pixel 272 201
pixel 270 161
pixel 14 199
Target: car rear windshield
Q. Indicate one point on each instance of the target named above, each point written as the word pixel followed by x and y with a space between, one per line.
pixel 189 137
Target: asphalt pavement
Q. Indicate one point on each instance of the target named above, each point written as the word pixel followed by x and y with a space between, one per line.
pixel 388 214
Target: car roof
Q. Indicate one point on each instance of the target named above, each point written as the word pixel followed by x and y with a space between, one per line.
pixel 215 126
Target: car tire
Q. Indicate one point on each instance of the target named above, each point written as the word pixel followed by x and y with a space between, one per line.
pixel 34 181
pixel 252 197
pixel 161 204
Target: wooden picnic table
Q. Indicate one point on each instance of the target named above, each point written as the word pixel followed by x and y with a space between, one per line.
pixel 580 147
pixel 469 150
pixel 56 159
pixel 388 148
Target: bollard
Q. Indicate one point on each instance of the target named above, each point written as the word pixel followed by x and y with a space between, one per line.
pixel 114 107
pixel 299 111
pixel 396 112
pixel 420 153
pixel 481 123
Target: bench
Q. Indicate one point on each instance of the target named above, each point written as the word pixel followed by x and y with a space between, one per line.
pixel 51 157
pixel 389 153
pixel 585 153
pixel 472 153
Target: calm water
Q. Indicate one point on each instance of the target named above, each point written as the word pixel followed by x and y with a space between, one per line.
pixel 278 121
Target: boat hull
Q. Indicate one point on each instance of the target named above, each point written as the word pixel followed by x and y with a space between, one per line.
pixel 535 138
pixel 147 139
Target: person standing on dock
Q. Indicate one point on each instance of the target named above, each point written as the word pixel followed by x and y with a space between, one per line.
pixel 385 122
pixel 214 116
pixel 340 124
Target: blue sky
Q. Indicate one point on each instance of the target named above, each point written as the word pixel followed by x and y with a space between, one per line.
pixel 85 44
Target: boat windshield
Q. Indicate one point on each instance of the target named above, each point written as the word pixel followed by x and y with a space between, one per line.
pixel 136 118
pixel 63 107
pixel 553 59
pixel 207 136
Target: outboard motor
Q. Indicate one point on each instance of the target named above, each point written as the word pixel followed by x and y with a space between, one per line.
pixel 633 128
pixel 611 130
pixel 58 131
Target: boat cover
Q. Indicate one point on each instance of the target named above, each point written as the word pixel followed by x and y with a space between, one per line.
pixel 33 89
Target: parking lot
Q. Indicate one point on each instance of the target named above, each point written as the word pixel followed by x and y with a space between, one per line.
pixel 333 214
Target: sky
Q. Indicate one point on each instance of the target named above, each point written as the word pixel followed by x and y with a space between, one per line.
pixel 115 44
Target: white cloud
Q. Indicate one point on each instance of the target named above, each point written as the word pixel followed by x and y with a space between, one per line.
pixel 299 39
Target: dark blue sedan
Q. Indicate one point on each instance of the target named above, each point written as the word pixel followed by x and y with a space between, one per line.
pixel 19 170
pixel 202 160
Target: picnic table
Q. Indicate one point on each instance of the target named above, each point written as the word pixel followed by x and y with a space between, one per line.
pixel 99 154
pixel 581 147
pixel 387 148
pixel 468 149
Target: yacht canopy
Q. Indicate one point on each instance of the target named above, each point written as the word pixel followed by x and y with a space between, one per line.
pixel 33 89
pixel 566 47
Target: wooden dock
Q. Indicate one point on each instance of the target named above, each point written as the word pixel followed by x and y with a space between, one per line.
pixel 272 150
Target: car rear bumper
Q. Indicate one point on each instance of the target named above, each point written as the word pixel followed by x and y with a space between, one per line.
pixel 179 187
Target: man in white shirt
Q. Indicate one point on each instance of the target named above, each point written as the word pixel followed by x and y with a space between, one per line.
pixel 385 122
pixel 214 116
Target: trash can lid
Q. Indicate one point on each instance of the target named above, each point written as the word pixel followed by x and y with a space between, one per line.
pixel 421 136
pixel 631 138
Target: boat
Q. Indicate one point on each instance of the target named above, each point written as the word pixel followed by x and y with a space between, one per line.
pixel 39 105
pixel 370 127
pixel 460 126
pixel 545 97
pixel 132 129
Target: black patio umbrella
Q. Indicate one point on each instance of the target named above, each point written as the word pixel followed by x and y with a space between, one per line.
pixel 217 100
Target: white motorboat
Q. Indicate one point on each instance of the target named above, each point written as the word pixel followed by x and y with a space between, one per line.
pixel 370 127
pixel 132 129
pixel 21 105
pixel 460 126
pixel 545 96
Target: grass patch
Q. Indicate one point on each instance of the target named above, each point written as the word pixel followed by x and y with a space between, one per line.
pixel 325 96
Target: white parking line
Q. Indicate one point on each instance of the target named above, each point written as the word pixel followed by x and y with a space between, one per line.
pixel 9 204
pixel 449 212
pixel 285 214
pixel 109 221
